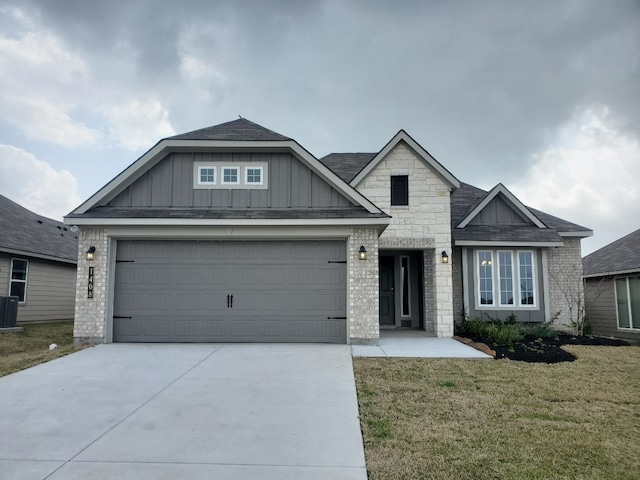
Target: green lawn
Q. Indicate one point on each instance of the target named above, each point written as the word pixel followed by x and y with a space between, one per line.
pixel 463 419
pixel 20 350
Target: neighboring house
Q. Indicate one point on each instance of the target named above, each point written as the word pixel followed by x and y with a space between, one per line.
pixel 38 259
pixel 612 288
pixel 237 233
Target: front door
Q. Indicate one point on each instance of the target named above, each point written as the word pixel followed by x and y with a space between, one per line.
pixel 387 307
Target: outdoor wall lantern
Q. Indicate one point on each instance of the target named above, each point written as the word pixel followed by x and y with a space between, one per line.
pixel 444 257
pixel 90 253
pixel 363 252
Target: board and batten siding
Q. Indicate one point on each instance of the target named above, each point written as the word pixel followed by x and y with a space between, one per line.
pixel 51 288
pixel 600 304
pixel 498 212
pixel 169 183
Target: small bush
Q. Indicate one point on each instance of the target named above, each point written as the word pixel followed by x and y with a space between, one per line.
pixel 504 334
pixel 541 330
pixel 473 328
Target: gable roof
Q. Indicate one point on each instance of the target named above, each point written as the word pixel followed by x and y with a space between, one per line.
pixel 403 136
pixel 511 199
pixel 347 165
pixel 237 135
pixel 619 257
pixel 238 130
pixel 466 200
pixel 27 233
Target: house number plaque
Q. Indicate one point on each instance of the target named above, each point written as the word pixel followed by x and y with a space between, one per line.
pixel 90 284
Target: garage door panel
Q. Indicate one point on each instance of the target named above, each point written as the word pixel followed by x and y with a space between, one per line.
pixel 176 291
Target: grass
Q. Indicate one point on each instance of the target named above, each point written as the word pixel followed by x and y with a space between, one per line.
pixel 462 419
pixel 20 350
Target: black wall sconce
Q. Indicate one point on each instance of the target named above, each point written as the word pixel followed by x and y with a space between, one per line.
pixel 362 253
pixel 90 253
pixel 444 257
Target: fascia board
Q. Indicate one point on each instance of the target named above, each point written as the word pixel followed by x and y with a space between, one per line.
pixel 380 222
pixel 511 197
pixel 426 157
pixel 581 234
pixel 24 253
pixel 488 243
pixel 156 153
pixel 613 273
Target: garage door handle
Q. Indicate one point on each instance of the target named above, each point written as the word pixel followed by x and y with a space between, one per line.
pixel 118 316
pixel 228 301
pixel 336 318
pixel 231 301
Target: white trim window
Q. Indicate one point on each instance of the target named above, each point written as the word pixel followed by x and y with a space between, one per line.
pixel 230 175
pixel 253 175
pixel 628 302
pixel 485 277
pixel 514 274
pixel 206 175
pixel 18 279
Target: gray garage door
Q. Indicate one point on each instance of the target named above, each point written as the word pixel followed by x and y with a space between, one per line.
pixel 205 291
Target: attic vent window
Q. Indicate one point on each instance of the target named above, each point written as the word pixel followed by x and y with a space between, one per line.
pixel 230 175
pixel 400 190
pixel 206 175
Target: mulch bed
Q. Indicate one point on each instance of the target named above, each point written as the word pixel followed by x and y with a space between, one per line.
pixel 541 350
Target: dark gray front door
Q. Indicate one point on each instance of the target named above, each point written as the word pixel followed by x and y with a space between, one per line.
pixel 387 308
pixel 207 291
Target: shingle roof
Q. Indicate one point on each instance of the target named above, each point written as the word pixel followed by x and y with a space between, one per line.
pixel 467 197
pixel 623 255
pixel 29 233
pixel 236 130
pixel 347 165
pixel 228 214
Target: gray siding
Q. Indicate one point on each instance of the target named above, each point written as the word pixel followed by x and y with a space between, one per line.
pixel 499 212
pixel 523 314
pixel 50 293
pixel 600 302
pixel 170 184
pixel 456 271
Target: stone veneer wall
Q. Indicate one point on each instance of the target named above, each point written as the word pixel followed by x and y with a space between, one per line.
pixel 425 224
pixel 90 322
pixel 565 280
pixel 363 287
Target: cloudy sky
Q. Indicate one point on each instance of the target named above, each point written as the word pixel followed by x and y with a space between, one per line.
pixel 542 96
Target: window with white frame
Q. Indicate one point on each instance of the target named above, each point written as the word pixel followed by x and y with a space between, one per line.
pixel 207 175
pixel 514 276
pixel 253 175
pixel 628 302
pixel 18 281
pixel 230 176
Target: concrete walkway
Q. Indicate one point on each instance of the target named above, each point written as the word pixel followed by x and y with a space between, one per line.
pixel 184 411
pixel 417 344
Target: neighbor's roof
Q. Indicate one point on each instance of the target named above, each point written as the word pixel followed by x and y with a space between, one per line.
pixel 466 198
pixel 621 256
pixel 27 233
pixel 238 130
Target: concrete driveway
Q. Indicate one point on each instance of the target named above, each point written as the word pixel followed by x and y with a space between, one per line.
pixel 152 411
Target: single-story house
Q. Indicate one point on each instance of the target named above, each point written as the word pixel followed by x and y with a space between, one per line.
pixel 38 258
pixel 612 288
pixel 236 233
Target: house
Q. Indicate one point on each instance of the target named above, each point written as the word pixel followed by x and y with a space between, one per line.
pixel 612 288
pixel 237 233
pixel 38 259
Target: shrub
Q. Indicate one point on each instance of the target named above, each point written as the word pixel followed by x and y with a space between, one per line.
pixel 504 334
pixel 540 330
pixel 473 327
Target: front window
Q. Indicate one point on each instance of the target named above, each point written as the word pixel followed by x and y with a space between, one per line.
pixel 18 287
pixel 628 302
pixel 400 190
pixel 515 281
pixel 485 276
pixel 253 176
pixel 230 176
pixel 206 175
